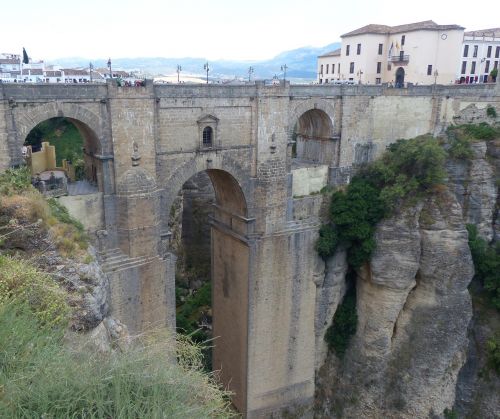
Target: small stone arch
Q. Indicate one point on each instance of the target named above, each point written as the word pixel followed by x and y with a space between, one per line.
pixel 312 133
pixel 87 122
pixel 84 119
pixel 308 105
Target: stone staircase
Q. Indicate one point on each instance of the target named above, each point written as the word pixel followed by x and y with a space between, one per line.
pixel 114 260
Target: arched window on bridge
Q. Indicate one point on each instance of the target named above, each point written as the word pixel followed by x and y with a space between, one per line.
pixel 208 137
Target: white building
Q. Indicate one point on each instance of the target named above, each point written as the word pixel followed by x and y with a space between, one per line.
pixel 480 54
pixel 420 53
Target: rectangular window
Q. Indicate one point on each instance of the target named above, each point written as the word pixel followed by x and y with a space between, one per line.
pixel 495 65
pixel 379 68
pixel 359 49
pixel 402 40
pixel 338 69
pixel 333 68
pixel 351 68
pixel 321 71
pixel 488 54
pixel 466 51
pixel 320 81
pixel 473 67
pixel 464 67
pixel 401 55
pixel 327 68
pixel 380 46
pixel 326 81
pixel 429 70
pixel 487 66
pixel 474 54
pixel 497 52
pixel 347 48
pixel 378 80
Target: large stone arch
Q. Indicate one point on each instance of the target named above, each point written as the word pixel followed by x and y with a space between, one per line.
pixel 199 163
pixel 230 255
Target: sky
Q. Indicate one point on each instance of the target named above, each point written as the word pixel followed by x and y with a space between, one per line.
pixel 211 29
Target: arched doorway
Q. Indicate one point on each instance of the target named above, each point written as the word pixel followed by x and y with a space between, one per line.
pixel 314 140
pixel 208 225
pixel 400 77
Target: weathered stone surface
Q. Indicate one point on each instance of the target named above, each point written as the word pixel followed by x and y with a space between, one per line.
pixel 330 283
pixel 475 188
pixel 413 311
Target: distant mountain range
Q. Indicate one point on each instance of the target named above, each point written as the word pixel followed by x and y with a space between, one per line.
pixel 300 62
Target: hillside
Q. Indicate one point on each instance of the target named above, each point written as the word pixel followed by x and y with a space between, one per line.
pixel 301 63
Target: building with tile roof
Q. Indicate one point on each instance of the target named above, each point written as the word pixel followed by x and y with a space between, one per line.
pixel 420 53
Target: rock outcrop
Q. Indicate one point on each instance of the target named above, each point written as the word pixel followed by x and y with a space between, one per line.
pixel 413 312
pixel 474 184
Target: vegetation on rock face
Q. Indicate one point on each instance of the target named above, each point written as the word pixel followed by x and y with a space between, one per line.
pixel 486 263
pixel 25 212
pixel 460 137
pixel 344 324
pixel 491 111
pixel 21 281
pixel 407 169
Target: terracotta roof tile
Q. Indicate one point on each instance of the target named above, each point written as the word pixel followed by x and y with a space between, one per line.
pixel 334 53
pixel 8 61
pixel 484 32
pixel 387 30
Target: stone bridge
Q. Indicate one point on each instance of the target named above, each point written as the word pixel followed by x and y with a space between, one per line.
pixel 267 150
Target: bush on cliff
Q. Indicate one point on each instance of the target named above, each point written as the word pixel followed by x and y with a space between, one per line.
pixel 407 169
pixel 344 324
pixel 459 138
pixel 486 263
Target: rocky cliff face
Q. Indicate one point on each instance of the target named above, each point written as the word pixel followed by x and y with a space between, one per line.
pixel 419 345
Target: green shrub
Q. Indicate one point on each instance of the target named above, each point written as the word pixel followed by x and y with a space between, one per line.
pixel 486 263
pixel 482 131
pixel 15 181
pixel 460 148
pixel 491 111
pixel 408 168
pixel 21 281
pixel 40 378
pixel 344 324
pixel 450 414
pixel 493 353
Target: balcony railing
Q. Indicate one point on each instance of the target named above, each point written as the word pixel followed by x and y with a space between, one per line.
pixel 400 58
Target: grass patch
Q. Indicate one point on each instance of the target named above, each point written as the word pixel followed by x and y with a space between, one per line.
pixel 21 281
pixel 40 377
pixel 21 206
